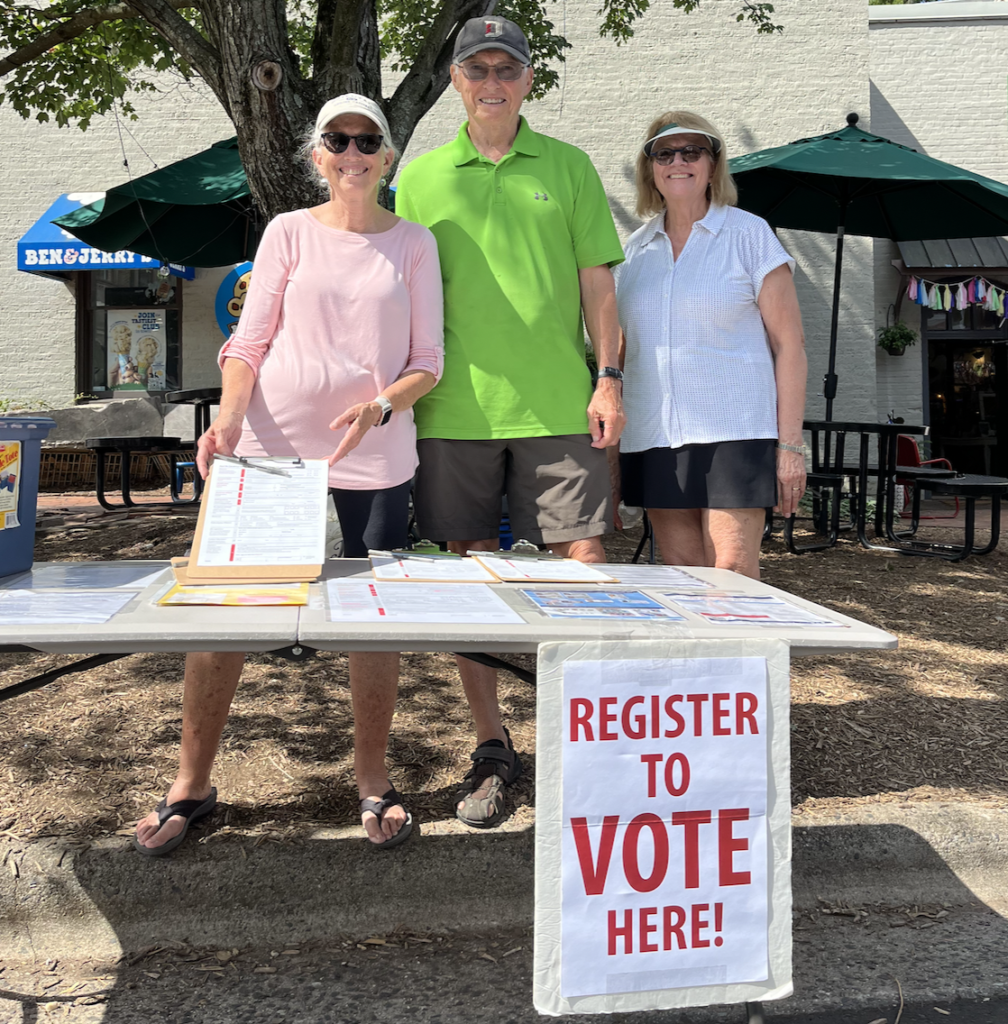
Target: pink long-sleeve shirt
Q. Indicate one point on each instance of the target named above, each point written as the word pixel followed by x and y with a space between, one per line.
pixel 331 318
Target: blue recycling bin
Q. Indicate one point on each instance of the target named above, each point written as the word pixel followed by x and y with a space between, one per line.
pixel 17 543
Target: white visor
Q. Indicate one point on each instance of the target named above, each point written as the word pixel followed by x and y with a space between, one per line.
pixel 674 129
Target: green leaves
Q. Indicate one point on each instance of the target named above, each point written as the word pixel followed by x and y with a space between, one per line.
pixel 102 56
pixel 91 74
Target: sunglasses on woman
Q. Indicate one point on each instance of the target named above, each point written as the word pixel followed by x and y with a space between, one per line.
pixel 690 154
pixel 337 142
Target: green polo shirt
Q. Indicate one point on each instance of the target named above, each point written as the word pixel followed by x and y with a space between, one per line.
pixel 512 237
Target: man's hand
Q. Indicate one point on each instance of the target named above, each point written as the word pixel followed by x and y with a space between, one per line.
pixel 605 413
pixel 220 438
pixel 361 418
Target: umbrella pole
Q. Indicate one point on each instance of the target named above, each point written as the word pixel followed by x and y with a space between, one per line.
pixel 830 379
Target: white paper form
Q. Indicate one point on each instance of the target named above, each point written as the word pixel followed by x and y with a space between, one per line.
pixel 544 570
pixel 599 604
pixel 45 608
pixel 83 575
pixel 257 518
pixel 450 570
pixel 655 576
pixel 360 601
pixel 748 609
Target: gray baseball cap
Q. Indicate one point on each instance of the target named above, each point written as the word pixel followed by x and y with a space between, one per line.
pixel 490 34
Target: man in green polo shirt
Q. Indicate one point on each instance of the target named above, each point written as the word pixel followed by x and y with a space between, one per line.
pixel 526 242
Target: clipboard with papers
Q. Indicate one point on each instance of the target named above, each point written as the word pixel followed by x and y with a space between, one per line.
pixel 393 566
pixel 519 568
pixel 260 521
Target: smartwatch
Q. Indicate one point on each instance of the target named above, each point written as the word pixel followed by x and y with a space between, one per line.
pixel 611 371
pixel 386 408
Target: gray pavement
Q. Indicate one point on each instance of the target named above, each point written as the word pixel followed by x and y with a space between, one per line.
pixel 889 898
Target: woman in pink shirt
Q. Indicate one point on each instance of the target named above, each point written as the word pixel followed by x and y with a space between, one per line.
pixel 341 333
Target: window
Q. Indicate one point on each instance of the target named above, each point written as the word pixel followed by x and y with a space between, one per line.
pixel 128 331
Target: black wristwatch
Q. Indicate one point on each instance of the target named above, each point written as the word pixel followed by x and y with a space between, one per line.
pixel 386 407
pixel 611 371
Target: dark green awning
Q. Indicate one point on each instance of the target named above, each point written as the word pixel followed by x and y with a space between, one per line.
pixel 197 212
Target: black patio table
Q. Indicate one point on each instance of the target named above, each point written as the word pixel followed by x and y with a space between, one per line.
pixel 828 437
pixel 201 399
pixel 126 447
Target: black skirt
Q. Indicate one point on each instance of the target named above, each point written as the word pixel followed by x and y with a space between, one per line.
pixel 726 474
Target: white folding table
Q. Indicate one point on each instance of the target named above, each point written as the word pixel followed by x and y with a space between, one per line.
pixel 296 632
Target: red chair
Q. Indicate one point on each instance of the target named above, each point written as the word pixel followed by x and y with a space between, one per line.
pixel 908 455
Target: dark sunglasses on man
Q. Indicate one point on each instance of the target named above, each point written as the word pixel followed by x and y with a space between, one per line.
pixel 505 72
pixel 690 154
pixel 337 142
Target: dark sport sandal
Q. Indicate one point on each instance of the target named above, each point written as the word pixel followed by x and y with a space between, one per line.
pixel 502 766
pixel 378 809
pixel 191 810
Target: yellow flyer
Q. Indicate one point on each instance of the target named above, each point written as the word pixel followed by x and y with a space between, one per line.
pixel 238 594
pixel 10 483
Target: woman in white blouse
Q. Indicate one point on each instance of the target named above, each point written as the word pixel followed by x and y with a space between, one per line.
pixel 714 356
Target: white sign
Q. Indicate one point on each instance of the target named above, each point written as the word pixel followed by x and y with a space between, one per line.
pixel 660 842
pixel 664 841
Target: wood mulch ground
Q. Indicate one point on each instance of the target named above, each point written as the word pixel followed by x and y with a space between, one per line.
pixel 86 756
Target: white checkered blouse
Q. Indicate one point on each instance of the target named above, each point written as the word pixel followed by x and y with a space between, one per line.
pixel 698 364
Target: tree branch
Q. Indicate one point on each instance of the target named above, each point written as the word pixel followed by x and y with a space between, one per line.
pixel 325 19
pixel 191 46
pixel 71 28
pixel 429 76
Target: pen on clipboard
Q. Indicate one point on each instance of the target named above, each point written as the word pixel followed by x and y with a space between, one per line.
pixel 400 556
pixel 241 461
pixel 538 556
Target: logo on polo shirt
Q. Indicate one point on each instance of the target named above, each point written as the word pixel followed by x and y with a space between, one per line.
pixel 542 196
pixel 493 29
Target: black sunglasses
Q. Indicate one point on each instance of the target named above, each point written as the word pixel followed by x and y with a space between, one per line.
pixel 337 142
pixel 690 154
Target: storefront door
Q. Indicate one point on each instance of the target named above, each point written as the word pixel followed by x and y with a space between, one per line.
pixel 967 361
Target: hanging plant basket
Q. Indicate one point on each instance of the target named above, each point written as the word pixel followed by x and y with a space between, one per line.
pixel 896 338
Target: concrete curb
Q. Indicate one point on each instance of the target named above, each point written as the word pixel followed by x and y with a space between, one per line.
pixel 865 884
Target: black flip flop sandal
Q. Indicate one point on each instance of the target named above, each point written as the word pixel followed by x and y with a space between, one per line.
pixel 378 809
pixel 191 810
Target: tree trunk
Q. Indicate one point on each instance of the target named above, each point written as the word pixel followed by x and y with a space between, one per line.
pixel 272 107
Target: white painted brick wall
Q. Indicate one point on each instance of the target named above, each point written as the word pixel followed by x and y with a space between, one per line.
pixel 940 88
pixel 38 162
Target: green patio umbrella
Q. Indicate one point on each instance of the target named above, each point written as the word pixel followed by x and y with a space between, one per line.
pixel 852 182
pixel 196 212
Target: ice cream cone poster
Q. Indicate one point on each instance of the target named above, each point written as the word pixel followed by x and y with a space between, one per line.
pixel 10 483
pixel 136 349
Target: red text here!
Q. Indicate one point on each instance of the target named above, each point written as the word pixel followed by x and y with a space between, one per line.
pixel 664 928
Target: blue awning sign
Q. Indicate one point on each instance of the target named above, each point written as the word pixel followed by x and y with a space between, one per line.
pixel 46 248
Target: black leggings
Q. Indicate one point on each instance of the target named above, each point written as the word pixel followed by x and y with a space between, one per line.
pixel 372 519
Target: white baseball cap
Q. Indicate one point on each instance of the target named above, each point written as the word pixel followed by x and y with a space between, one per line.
pixel 675 129
pixel 353 103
